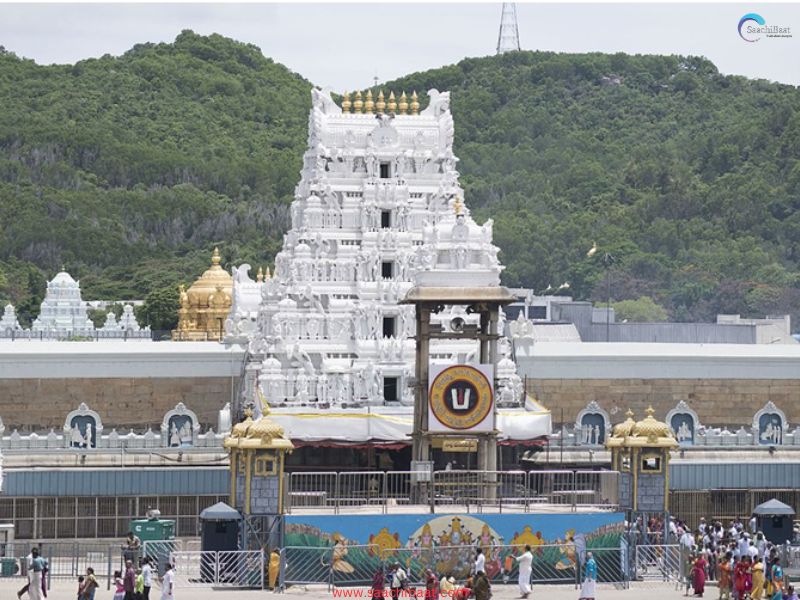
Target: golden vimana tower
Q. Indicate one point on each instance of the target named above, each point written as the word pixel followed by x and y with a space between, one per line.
pixel 205 305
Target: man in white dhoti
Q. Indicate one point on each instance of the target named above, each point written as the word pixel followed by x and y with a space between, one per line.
pixel 525 572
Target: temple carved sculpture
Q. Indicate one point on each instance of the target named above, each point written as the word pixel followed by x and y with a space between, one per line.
pixel 378 209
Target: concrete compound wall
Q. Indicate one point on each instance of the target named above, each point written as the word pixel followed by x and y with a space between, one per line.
pixel 39 404
pixel 718 402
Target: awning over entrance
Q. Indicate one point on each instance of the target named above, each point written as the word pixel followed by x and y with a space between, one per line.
pixel 384 424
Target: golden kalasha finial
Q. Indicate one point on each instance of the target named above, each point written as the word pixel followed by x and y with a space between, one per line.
pixel 369 105
pixel 414 103
pixel 629 414
pixel 267 276
pixel 392 106
pixel 380 105
pixel 215 257
pixel 260 275
pixel 346 104
pixel 403 106
pixel 458 206
pixel 358 104
pixel 650 411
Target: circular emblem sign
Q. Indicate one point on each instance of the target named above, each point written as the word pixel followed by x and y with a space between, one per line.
pixel 461 397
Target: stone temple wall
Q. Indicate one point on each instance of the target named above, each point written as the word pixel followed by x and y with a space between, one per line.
pixel 39 404
pixel 718 402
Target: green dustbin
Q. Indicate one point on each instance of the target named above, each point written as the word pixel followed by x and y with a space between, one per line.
pixel 8 567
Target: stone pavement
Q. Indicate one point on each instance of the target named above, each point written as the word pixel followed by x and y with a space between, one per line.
pixel 65 590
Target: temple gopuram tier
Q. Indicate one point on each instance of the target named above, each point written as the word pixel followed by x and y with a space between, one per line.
pixel 378 209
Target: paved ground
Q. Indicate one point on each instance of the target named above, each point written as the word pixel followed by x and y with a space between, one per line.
pixel 66 590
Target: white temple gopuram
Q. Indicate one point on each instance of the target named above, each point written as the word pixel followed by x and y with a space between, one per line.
pixel 378 209
pixel 63 312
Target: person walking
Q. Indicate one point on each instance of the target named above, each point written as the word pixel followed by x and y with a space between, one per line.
pixel 399 580
pixel 589 578
pixel 26 587
pixel 36 583
pixel 699 575
pixel 481 587
pixel 777 579
pixel 758 579
pixel 89 586
pixel 480 562
pixel 378 583
pixel 129 580
pixel 147 578
pixel 168 584
pixel 431 585
pixel 525 561
pixel 725 577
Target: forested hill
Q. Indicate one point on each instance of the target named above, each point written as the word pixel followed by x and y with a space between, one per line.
pixel 128 170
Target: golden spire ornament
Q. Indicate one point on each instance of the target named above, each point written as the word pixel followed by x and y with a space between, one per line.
pixel 403 106
pixel 267 275
pixel 358 104
pixel 260 275
pixel 369 105
pixel 380 105
pixel 392 103
pixel 414 103
pixel 458 206
pixel 215 257
pixel 346 104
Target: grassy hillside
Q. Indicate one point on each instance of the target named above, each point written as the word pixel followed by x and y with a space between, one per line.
pixel 128 170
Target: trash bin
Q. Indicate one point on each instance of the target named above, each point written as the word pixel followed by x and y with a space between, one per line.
pixel 8 567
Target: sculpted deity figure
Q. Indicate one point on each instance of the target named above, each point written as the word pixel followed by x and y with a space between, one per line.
pixel 461 257
pixel 174 436
pixel 460 231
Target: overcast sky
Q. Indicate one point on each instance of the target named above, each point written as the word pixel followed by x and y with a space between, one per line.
pixel 343 46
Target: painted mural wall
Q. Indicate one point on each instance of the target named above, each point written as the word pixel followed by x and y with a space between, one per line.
pixel 353 547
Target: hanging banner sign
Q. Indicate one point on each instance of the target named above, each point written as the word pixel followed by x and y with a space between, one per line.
pixel 461 398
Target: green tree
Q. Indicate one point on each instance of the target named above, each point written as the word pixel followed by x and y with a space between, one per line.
pixel 641 310
pixel 160 309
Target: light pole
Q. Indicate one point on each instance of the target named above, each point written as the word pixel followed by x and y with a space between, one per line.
pixel 607 259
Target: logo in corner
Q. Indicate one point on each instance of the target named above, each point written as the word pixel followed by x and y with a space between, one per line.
pixel 756 18
pixel 753 26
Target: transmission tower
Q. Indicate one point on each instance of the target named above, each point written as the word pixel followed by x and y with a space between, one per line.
pixel 508 40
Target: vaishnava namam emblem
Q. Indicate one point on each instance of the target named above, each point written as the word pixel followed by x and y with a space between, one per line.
pixel 460 397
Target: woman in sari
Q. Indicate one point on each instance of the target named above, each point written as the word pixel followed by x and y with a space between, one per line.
pixel 758 580
pixel 699 575
pixel 777 579
pixel 378 583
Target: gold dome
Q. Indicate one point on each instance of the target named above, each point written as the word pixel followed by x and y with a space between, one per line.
pixel 263 434
pixel 206 285
pixel 650 428
pixel 205 305
pixel 625 428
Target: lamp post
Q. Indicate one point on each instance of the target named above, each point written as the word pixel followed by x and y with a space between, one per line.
pixel 607 259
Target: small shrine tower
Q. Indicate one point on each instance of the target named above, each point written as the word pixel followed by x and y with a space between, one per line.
pixel 257 452
pixel 640 451
pixel 205 306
